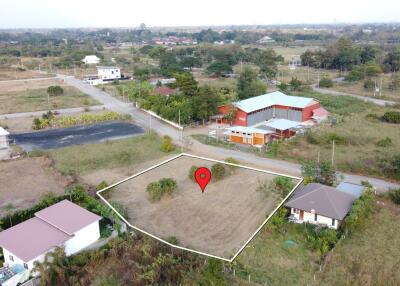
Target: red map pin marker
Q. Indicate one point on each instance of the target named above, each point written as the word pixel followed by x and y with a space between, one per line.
pixel 203 176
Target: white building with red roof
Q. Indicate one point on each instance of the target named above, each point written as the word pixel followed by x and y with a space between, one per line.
pixel 62 224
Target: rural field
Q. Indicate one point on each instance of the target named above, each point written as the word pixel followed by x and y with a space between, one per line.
pixel 18 192
pixel 32 96
pixel 217 221
pixel 12 74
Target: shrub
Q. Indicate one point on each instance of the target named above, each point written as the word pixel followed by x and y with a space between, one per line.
pixel 360 211
pixel 319 172
pixel 55 90
pixel 296 84
pixel 325 82
pixel 167 145
pixel 283 185
pixel 373 116
pixel 320 239
pixel 394 196
pixel 339 140
pixel 279 220
pixel 232 160
pixel 369 84
pixel 391 117
pixel 157 190
pixel 217 171
pixel 192 171
pixel 385 142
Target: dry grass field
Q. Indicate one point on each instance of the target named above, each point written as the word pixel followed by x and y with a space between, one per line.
pixel 23 96
pixel 218 221
pixel 24 181
pixel 12 74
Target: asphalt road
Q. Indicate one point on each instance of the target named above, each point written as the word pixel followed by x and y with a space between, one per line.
pixel 162 128
pixel 58 138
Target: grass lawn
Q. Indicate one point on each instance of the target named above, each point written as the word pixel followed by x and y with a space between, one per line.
pixel 268 259
pixel 36 99
pixel 77 160
pixel 370 256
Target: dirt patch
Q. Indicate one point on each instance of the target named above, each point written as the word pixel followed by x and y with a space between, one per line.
pixel 12 74
pixel 24 181
pixel 16 86
pixel 218 221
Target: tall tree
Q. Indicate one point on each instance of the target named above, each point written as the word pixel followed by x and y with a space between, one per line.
pixel 186 83
pixel 249 85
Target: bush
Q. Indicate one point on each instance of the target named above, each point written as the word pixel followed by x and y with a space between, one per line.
pixel 325 82
pixel 385 142
pixel 339 140
pixel 217 171
pixel 157 190
pixel 55 90
pixel 319 172
pixel 373 116
pixel 369 84
pixel 320 239
pixel 167 145
pixel 391 117
pixel 283 185
pixel 394 196
pixel 232 161
pixel 192 171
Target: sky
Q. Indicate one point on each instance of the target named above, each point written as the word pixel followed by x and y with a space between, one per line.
pixel 130 13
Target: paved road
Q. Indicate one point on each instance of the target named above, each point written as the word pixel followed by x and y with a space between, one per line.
pixel 143 120
pixel 58 138
pixel 376 101
pixel 60 111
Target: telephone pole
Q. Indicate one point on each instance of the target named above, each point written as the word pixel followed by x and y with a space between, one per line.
pixel 333 151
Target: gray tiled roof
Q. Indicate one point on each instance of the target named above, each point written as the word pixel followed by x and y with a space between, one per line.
pixel 324 200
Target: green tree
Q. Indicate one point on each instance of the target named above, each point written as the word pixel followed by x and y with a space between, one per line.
pixel 219 68
pixel 325 82
pixel 296 84
pixel 186 83
pixel 395 81
pixel 55 90
pixel 319 172
pixel 231 114
pixel 205 103
pixel 212 274
pixel 249 85
pixel 169 64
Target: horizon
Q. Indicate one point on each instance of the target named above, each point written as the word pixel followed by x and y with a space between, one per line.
pixel 47 14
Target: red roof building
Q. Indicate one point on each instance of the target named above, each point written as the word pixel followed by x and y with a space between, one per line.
pixel 272 105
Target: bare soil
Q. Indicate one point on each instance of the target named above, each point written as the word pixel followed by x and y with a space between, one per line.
pixel 24 181
pixel 218 221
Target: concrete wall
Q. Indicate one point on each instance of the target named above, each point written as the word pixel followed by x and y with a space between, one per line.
pixel 83 238
pixel 18 260
pixel 3 142
pixel 310 218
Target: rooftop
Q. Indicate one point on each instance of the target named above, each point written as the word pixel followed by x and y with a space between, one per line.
pixel 67 216
pixel 3 132
pixel 280 124
pixel 249 130
pixel 50 228
pixel 273 98
pixel 323 200
pixel 107 68
pixel 350 188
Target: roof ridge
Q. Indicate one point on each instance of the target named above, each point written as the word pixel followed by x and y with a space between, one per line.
pixel 332 204
pixel 52 224
pixel 306 194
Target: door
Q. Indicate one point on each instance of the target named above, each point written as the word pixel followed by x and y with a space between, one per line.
pixel 301 215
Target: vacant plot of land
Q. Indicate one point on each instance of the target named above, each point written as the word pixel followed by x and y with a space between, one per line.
pixel 13 73
pixel 83 159
pixel 32 96
pixel 357 87
pixel 305 74
pixel 22 182
pixel 370 256
pixel 218 221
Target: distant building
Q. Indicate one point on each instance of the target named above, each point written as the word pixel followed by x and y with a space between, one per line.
pixel 320 204
pixel 3 138
pixel 91 60
pixel 265 40
pixel 163 81
pixel 108 73
pixel 274 105
pixel 62 224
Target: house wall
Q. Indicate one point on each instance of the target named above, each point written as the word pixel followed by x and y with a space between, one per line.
pixel 310 218
pixel 308 111
pixel 83 238
pixel 241 116
pixel 109 73
pixel 18 260
pixel 3 142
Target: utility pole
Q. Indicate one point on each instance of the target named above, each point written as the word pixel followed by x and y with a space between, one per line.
pixel 333 151
pixel 318 79
pixel 150 123
pixel 380 87
pixel 318 156
pixel 179 122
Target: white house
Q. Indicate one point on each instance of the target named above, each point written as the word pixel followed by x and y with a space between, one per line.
pixel 62 224
pixel 91 60
pixel 108 73
pixel 3 138
pixel 320 204
pixel 265 40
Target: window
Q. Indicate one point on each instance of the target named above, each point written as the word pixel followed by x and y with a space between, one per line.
pixel 315 217
pixel 333 222
pixel 11 258
pixel 25 266
pixel 296 211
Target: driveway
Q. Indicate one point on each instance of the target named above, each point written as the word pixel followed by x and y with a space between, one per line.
pixel 63 137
